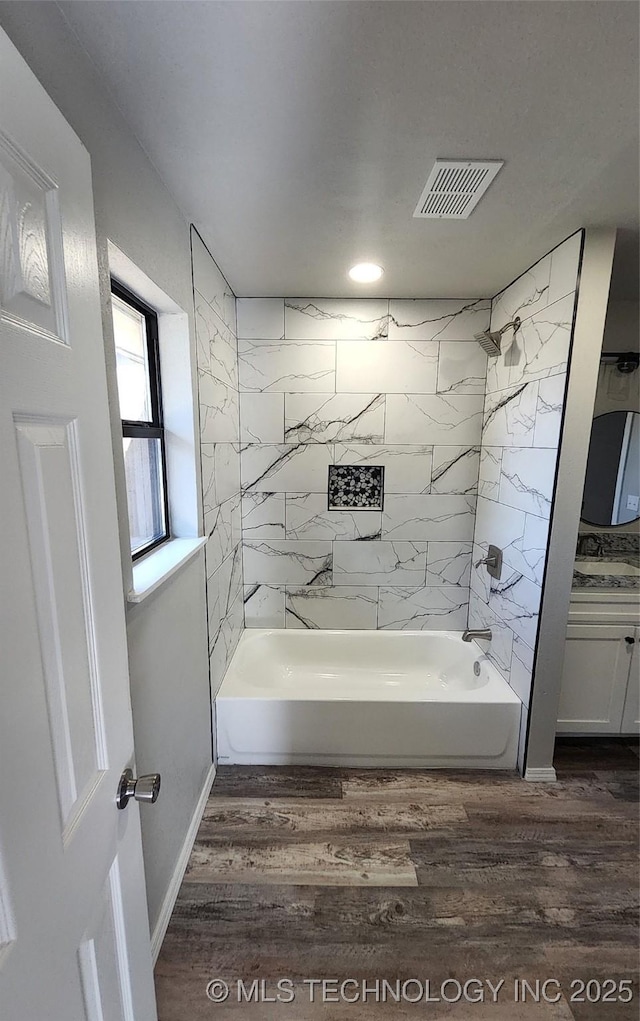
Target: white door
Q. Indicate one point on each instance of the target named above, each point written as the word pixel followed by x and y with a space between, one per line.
pixel 74 936
pixel 631 715
pixel 594 678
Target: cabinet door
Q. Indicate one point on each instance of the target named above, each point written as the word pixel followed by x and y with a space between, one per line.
pixel 631 715
pixel 594 681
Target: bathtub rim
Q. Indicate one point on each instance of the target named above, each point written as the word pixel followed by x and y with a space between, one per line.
pixel 497 691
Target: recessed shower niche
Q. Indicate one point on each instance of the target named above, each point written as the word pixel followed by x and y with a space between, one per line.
pixel 356 487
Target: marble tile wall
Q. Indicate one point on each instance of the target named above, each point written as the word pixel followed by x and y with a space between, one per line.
pixel 219 400
pixel 373 382
pixel 522 417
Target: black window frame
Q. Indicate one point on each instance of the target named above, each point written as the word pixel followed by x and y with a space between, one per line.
pixel 155 428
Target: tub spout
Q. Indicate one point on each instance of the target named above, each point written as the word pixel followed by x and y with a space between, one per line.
pixel 484 634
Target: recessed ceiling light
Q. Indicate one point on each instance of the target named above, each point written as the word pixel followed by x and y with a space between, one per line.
pixel 366 272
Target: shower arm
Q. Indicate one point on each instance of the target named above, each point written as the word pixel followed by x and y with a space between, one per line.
pixel 515 324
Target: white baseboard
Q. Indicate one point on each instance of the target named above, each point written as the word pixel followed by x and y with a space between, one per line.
pixel 171 895
pixel 545 774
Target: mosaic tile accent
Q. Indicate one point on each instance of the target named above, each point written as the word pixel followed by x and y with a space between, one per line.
pixel 355 487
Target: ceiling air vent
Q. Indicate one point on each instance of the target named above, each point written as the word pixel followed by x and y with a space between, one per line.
pixel 455 187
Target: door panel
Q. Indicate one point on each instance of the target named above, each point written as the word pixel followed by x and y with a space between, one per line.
pixel 32 271
pixel 48 459
pixel 74 937
pixel 7 920
pixel 98 958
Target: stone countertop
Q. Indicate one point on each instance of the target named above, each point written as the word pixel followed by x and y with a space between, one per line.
pixel 603 547
pixel 605 581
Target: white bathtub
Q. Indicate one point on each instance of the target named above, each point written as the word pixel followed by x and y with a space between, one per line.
pixel 365 698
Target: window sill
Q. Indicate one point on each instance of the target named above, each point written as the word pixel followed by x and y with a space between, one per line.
pixel 154 570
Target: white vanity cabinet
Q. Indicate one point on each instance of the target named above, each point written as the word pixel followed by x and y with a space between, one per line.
pixel 601 677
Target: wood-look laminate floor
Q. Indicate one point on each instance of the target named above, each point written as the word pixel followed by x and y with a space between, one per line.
pixel 304 873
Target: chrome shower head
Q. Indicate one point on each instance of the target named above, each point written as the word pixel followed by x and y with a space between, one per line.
pixel 489 340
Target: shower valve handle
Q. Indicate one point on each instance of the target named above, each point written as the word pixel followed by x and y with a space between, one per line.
pixel 489 561
pixel 493 561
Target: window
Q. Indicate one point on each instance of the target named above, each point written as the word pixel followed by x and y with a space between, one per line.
pixel 135 328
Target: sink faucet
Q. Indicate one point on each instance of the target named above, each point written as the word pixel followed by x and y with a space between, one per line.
pixel 484 634
pixel 590 544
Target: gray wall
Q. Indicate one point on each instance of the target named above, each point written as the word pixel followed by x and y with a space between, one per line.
pixel 359 382
pixel 217 351
pixel 622 326
pixel 167 633
pixel 167 637
pixel 520 437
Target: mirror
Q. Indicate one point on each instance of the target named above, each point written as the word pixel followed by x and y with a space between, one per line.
pixel 612 483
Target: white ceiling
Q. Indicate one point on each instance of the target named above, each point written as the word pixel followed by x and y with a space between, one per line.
pixel 298 136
